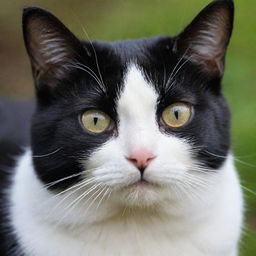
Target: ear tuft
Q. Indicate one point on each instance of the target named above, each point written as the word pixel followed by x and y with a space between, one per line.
pixel 206 39
pixel 50 45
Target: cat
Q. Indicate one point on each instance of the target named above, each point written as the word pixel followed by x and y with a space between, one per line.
pixel 130 145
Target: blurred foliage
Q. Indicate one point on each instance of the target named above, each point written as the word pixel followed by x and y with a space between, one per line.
pixel 120 19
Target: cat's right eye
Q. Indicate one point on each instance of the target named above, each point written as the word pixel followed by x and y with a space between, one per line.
pixel 95 121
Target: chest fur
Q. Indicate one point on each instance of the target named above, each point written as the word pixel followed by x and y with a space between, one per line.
pixel 123 238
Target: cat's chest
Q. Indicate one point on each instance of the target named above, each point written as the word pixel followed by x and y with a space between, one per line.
pixel 126 238
pixel 117 240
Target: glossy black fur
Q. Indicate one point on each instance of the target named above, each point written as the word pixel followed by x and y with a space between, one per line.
pixel 59 141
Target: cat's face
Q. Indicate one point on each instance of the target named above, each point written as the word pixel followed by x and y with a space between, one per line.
pixel 135 123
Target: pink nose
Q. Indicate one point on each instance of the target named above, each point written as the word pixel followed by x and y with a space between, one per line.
pixel 141 158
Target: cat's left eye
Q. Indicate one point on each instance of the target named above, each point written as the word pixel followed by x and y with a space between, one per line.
pixel 95 121
pixel 177 115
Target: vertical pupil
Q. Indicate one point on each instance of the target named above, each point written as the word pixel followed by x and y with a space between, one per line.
pixel 176 113
pixel 95 120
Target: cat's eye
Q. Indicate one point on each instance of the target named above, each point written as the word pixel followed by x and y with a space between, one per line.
pixel 95 121
pixel 177 115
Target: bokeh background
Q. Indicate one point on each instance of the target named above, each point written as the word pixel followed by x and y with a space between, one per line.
pixel 124 19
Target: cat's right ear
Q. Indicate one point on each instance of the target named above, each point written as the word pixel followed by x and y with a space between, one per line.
pixel 52 48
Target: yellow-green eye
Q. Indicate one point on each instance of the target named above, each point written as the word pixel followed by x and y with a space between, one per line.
pixel 177 115
pixel 95 121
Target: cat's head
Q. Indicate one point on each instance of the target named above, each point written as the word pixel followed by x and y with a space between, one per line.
pixel 130 123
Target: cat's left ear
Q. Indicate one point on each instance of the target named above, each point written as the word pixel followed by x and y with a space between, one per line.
pixel 205 40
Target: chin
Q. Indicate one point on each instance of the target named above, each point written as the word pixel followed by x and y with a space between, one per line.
pixel 140 195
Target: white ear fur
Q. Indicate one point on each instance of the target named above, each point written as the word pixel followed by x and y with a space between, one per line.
pixel 206 39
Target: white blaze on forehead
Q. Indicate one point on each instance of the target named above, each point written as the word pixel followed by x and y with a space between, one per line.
pixel 136 109
pixel 138 97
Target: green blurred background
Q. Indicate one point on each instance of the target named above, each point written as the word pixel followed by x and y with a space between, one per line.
pixel 120 19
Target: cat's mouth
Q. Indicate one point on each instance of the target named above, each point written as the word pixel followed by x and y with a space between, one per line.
pixel 142 183
pixel 140 193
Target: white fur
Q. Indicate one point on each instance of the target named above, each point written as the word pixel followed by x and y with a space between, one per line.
pixel 209 41
pixel 185 212
pixel 53 48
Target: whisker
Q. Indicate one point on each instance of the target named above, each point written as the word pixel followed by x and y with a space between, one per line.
pixel 101 200
pixel 82 183
pixel 79 186
pixel 103 87
pixel 235 158
pixel 249 190
pixel 49 154
pixel 175 188
pixel 164 78
pixel 200 169
pixel 79 198
pixel 109 195
pixel 48 185
pixel 181 66
pixel 83 69
pixel 94 198
pixel 73 204
pixel 192 193
pixel 125 208
pixel 172 75
pixel 95 55
pixel 87 67
pixel 197 180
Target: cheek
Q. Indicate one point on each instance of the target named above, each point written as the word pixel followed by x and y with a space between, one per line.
pixel 109 166
pixel 174 159
pixel 107 154
pixel 172 148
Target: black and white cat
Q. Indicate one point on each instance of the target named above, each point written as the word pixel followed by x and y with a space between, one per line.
pixel 130 145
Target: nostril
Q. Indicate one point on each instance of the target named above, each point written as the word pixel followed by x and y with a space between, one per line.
pixel 133 160
pixel 141 158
